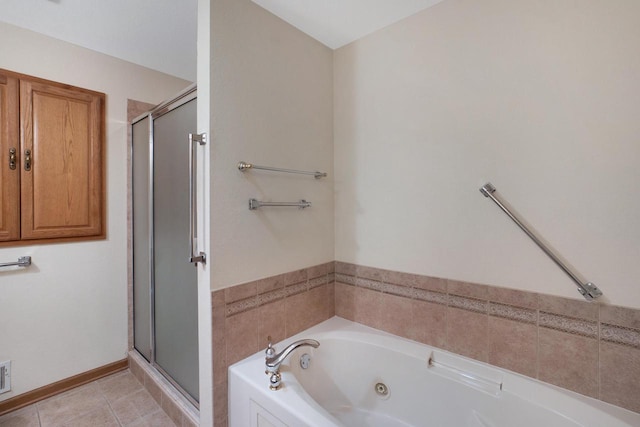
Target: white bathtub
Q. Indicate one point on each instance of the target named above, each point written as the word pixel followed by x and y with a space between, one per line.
pixel 339 388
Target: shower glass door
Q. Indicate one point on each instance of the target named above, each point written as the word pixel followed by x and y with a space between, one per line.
pixel 167 311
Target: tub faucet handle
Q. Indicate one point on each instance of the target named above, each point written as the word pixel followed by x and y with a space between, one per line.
pixel 273 360
pixel 270 351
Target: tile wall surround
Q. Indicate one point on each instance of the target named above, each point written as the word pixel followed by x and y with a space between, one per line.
pixel 590 348
pixel 244 316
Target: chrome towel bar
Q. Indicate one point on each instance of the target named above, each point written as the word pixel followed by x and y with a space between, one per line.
pixel 255 204
pixel 588 290
pixel 243 166
pixel 23 261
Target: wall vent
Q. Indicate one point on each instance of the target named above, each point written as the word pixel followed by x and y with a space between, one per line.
pixel 5 376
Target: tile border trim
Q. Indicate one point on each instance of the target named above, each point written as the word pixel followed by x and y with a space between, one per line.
pixel 620 335
pixel 281 292
pixel 530 312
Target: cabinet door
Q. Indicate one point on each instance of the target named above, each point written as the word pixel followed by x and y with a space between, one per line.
pixel 9 170
pixel 61 191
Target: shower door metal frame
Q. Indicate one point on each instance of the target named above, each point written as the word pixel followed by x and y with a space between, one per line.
pixel 187 95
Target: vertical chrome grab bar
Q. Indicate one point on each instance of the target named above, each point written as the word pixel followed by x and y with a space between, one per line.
pixel 588 290
pixel 200 139
pixel 23 261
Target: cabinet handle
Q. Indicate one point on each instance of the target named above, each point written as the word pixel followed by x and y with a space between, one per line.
pixel 27 160
pixel 12 158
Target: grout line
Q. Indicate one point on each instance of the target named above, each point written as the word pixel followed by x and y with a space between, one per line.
pixel 113 413
pixel 537 343
pixel 599 336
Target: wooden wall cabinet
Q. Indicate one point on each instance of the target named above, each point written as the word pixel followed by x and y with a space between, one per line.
pixel 52 169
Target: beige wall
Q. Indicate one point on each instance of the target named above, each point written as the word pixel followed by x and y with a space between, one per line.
pixel 271 105
pixel 67 313
pixel 539 97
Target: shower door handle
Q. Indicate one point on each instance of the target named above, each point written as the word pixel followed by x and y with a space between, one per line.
pixel 195 256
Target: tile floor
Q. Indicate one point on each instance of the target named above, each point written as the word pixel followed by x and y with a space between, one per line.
pixel 118 400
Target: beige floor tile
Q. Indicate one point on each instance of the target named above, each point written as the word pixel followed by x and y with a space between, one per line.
pixel 157 419
pixel 117 400
pixel 102 417
pixel 25 417
pixel 60 409
pixel 134 406
pixel 91 388
pixel 119 385
pixel 125 411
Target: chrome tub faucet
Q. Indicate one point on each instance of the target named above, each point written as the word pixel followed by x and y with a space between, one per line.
pixel 273 361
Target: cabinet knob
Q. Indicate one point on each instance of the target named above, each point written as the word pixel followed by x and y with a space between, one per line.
pixel 12 158
pixel 27 160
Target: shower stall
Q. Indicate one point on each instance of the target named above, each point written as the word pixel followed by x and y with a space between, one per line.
pixel 164 273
